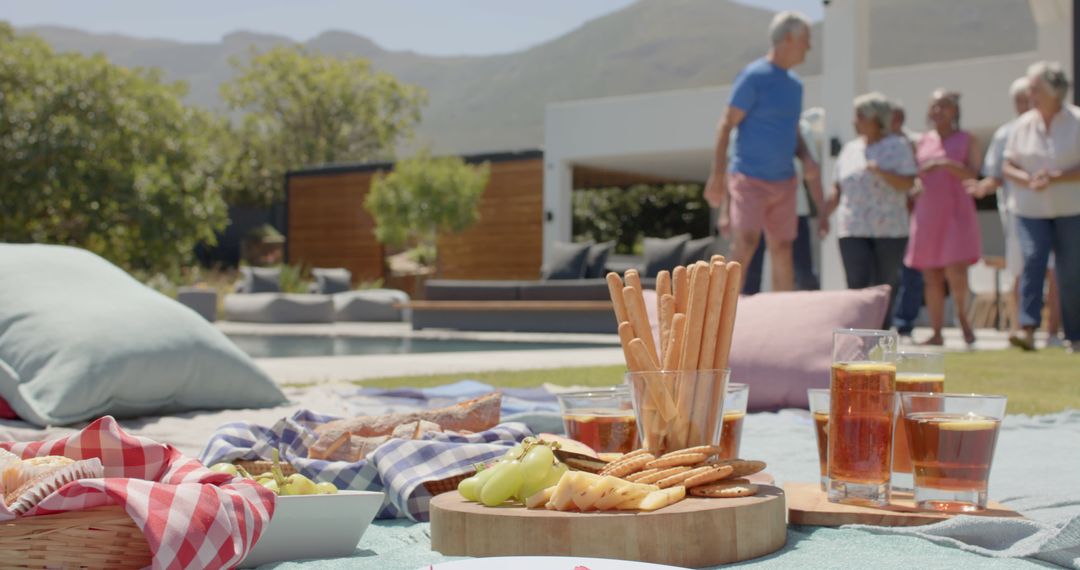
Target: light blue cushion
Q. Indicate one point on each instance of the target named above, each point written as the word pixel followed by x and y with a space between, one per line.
pixel 80 338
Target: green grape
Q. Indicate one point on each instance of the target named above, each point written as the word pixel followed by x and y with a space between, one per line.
pixel 482 478
pixel 551 476
pixel 326 488
pixel 514 452
pixel 470 488
pixel 537 462
pixel 555 473
pixel 503 484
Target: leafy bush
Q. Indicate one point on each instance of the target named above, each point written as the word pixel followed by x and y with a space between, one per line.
pixel 627 215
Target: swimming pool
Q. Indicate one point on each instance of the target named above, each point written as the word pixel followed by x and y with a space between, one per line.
pixel 287 346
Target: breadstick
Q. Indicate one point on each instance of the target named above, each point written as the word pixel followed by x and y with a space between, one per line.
pixel 635 307
pixel 615 286
pixel 680 284
pixel 717 259
pixel 678 337
pixel 656 394
pixel 667 313
pixel 626 334
pixel 633 279
pixel 727 315
pixel 710 330
pixel 695 318
pixel 663 284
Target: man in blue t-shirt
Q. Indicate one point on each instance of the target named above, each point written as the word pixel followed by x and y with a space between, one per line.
pixel 757 191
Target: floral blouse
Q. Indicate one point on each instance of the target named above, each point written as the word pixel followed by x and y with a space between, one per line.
pixel 869 207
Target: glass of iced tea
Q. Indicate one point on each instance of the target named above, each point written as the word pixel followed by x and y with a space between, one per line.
pixel 952 439
pixel 916 371
pixel 603 419
pixel 734 414
pixel 819 412
pixel 862 408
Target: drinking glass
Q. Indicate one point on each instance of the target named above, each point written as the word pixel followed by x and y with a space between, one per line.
pixel 916 371
pixel 952 439
pixel 862 408
pixel 676 409
pixel 734 414
pixel 819 411
pixel 602 418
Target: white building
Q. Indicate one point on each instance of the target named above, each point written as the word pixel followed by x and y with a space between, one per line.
pixel 670 135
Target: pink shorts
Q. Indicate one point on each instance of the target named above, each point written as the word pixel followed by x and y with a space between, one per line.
pixel 767 205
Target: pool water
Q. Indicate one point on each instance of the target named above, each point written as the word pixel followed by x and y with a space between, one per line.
pixel 282 346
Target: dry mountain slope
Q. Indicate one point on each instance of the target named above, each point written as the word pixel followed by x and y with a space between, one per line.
pixel 497 102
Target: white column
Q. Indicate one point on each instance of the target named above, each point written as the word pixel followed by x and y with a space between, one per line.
pixel 1053 20
pixel 558 202
pixel 846 61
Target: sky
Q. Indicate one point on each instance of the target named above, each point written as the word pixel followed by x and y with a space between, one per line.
pixel 433 27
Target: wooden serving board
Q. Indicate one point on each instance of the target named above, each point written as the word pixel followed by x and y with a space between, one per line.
pixel 809 505
pixel 691 533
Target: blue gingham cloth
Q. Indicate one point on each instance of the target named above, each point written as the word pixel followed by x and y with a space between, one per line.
pixel 397 468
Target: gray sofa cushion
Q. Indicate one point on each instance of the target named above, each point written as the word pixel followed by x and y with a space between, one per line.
pixel 597 259
pixel 663 254
pixel 329 281
pixel 468 290
pixel 279 308
pixel 567 261
pixel 79 338
pixel 260 280
pixel 370 305
pixel 566 290
pixel 700 250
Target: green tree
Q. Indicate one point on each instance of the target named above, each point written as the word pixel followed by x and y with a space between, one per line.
pixel 424 196
pixel 102 157
pixel 627 215
pixel 303 108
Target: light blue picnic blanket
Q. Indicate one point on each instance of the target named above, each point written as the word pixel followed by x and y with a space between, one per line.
pixel 1036 471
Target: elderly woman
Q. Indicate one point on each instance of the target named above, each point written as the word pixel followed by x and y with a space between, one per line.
pixel 944 239
pixel 1042 159
pixel 873 175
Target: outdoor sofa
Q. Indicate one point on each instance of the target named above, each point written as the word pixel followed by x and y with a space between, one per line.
pixel 331 299
pixel 570 297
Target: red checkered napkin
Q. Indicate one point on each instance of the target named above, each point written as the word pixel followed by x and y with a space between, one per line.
pixel 192 517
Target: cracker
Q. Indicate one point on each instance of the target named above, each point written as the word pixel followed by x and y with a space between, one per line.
pixel 623 459
pixel 634 477
pixel 677 460
pixel 678 478
pixel 624 468
pixel 706 449
pixel 743 467
pixel 711 474
pixel 725 489
pixel 661 474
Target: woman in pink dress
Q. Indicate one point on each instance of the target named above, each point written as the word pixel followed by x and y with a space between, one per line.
pixel 944 238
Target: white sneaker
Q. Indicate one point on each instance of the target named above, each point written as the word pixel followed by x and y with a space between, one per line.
pixel 1055 342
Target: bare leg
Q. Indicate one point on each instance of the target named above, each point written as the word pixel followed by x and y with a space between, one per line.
pixel 1053 305
pixel 1012 306
pixel 957 276
pixel 934 287
pixel 743 245
pixel 783 265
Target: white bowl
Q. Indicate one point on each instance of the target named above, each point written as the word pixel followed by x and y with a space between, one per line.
pixel 315 526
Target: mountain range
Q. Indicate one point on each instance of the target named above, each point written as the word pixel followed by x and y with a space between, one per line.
pixel 496 102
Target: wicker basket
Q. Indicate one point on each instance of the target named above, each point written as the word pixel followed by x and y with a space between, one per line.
pixel 103 537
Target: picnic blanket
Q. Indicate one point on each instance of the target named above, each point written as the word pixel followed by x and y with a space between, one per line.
pixel 397 468
pixel 191 517
pixel 1040 449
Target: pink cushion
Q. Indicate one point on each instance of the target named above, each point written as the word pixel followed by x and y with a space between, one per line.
pixel 782 343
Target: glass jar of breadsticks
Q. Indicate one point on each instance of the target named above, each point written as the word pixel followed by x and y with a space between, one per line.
pixel 678 370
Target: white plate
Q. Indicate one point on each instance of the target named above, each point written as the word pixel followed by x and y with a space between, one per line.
pixel 315 526
pixel 546 563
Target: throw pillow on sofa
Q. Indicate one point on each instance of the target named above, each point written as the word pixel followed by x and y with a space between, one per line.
pixel 782 342
pixel 260 280
pixel 663 253
pixel 329 281
pixel 80 338
pixel 699 250
pixel 567 261
pixel 597 259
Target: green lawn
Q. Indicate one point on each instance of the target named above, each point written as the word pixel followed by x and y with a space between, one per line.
pixel 1036 383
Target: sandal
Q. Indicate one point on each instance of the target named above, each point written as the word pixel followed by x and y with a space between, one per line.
pixel 1024 343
